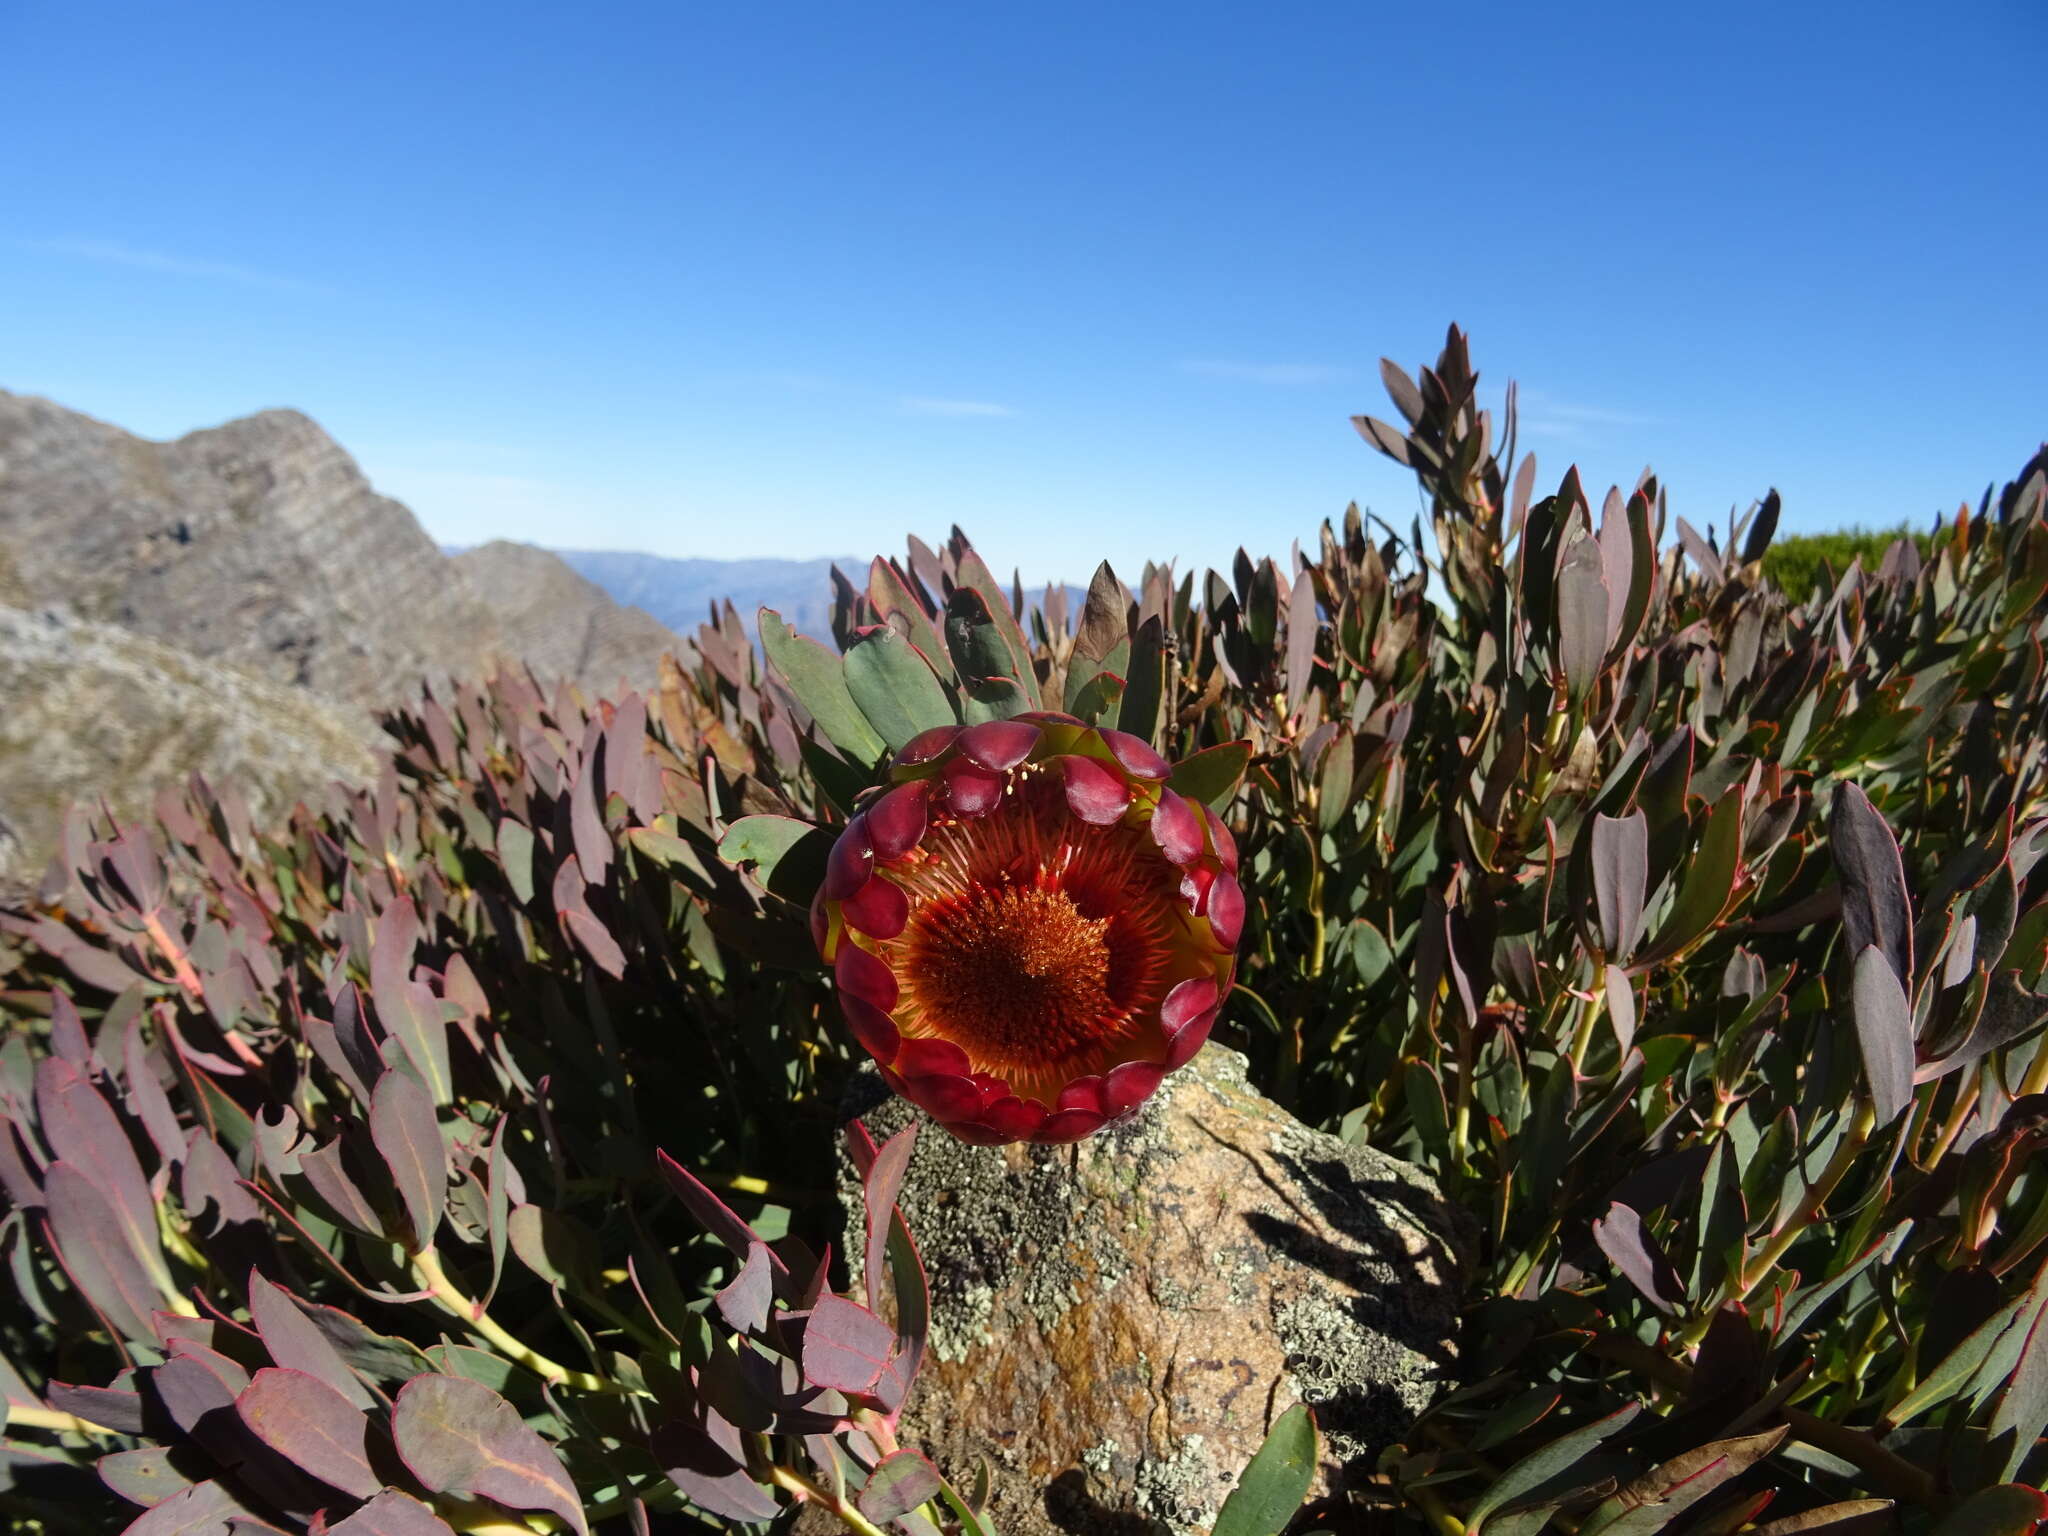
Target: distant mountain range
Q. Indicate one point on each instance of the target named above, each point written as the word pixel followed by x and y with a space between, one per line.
pixel 681 593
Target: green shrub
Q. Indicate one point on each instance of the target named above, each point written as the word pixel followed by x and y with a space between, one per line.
pixel 1691 936
pixel 1806 563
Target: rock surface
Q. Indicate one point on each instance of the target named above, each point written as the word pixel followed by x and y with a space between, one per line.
pixel 94 706
pixel 258 543
pixel 563 625
pixel 1117 1323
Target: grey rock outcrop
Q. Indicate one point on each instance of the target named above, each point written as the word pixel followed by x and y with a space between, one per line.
pixel 560 623
pixel 93 706
pixel 1116 1324
pixel 258 543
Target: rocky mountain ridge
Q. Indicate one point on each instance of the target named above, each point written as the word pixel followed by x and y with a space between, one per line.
pixel 240 601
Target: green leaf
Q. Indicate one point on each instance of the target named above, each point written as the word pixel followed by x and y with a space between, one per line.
pixel 818 680
pixel 1540 1466
pixel 1276 1481
pixel 895 687
pixel 1212 774
pixel 1145 683
pixel 1709 880
pixel 786 855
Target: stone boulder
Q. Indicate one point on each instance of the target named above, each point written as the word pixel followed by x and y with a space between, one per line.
pixel 1117 1323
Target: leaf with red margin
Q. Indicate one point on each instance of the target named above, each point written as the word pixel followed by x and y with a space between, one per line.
pixel 880 1183
pixel 392 1513
pixel 203 1509
pixel 845 1346
pixel 312 1426
pixel 458 1436
pixel 296 1342
pixel 711 1474
pixel 408 1137
pixel 901 1481
pixel 92 1242
pixel 83 1130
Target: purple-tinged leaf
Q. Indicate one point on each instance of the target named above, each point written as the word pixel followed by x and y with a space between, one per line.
pixel 344 1046
pixel 1685 1479
pixel 391 950
pixel 744 1302
pixel 1636 1254
pixel 312 1426
pixel 718 1218
pixel 2009 1509
pixel 322 1168
pixel 296 1342
pixel 147 1099
pixel 210 1179
pixel 83 1131
pixel 406 1133
pixel 913 1296
pixel 586 823
pixel 22 1186
pixel 1856 1517
pixel 581 924
pixel 1582 618
pixel 392 1513
pixel 1301 647
pixel 203 1509
pixel 146 1477
pixel 458 1436
pixel 710 1471
pixel 880 1183
pixel 278 1139
pixel 95 1251
pixel 196 1382
pixel 845 1346
pixel 67 1032
pixel 108 1407
pixel 1621 1006
pixel 419 1030
pixel 1621 875
pixel 901 1481
pixel 1884 1032
pixel 1875 908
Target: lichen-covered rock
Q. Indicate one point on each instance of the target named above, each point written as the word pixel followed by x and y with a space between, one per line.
pixel 1116 1324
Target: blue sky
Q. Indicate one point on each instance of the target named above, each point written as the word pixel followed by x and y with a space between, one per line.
pixel 1092 281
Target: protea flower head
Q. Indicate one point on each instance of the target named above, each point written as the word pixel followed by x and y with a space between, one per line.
pixel 1028 928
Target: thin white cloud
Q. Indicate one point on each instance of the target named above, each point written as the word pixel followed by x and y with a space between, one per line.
pixel 1285 374
pixel 927 405
pixel 1547 416
pixel 112 253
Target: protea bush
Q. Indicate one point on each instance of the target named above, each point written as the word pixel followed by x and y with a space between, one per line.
pixel 453 1155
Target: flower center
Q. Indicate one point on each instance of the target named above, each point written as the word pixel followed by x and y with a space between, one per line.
pixel 1015 976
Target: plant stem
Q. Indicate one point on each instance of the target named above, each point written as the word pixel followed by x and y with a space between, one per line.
pixel 1759 1267
pixel 427 1266
pixel 797 1483
pixel 1582 1041
pixel 54 1419
pixel 1446 1523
